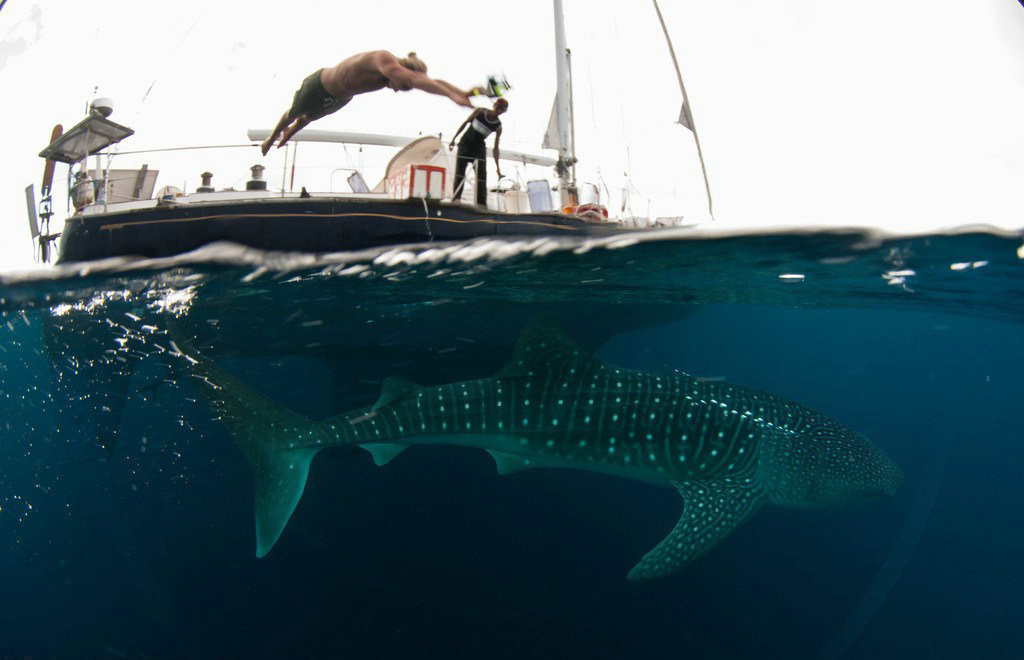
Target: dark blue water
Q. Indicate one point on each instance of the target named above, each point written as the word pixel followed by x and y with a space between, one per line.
pixel 126 513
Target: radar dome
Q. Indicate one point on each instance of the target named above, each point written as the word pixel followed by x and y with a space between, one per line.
pixel 104 106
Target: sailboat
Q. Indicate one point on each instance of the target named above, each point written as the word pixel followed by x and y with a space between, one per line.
pixel 124 213
pixel 119 212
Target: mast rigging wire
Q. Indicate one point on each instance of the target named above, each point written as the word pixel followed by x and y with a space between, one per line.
pixel 686 107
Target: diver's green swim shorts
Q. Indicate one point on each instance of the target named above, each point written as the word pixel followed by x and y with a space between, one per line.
pixel 313 100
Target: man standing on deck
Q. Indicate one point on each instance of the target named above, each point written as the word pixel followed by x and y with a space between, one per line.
pixel 472 150
pixel 329 90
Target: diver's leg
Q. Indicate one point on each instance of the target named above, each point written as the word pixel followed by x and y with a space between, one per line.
pixel 299 123
pixel 480 165
pixel 285 120
pixel 461 161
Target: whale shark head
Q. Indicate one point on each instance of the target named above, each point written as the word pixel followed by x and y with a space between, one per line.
pixel 853 468
pixel 828 466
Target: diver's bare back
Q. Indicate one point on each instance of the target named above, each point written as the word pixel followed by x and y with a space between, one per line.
pixel 357 74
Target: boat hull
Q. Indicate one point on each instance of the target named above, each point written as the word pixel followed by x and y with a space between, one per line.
pixel 312 225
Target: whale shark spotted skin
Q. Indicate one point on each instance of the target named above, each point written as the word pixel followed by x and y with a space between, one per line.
pixel 728 450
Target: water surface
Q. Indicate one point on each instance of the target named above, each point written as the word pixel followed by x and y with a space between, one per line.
pixel 126 510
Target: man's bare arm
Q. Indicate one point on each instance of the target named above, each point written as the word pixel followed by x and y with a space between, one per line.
pixel 464 124
pixel 427 84
pixel 397 73
pixel 451 87
pixel 497 152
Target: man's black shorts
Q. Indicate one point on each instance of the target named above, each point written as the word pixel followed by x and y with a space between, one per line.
pixel 313 100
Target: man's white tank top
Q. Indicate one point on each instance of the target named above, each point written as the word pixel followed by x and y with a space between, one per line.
pixel 484 126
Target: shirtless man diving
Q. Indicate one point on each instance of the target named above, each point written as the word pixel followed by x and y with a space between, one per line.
pixel 328 90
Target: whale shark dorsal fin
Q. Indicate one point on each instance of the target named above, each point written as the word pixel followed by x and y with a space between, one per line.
pixel 712 509
pixel 394 389
pixel 544 346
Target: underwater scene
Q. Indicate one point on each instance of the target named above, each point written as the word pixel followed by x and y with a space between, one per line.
pixel 784 445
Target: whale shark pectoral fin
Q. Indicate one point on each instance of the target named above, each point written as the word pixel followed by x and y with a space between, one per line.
pixel 712 509
pixel 510 463
pixel 395 389
pixel 383 453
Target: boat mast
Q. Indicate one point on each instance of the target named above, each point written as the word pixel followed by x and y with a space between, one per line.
pixel 563 113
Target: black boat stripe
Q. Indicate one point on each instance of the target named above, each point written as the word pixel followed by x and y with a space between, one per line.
pixel 228 216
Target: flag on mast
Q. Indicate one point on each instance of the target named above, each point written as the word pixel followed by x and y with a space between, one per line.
pixel 684 116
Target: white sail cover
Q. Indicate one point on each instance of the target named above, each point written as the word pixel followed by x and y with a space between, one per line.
pixel 552 139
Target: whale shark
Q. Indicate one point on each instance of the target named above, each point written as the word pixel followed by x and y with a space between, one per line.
pixel 728 450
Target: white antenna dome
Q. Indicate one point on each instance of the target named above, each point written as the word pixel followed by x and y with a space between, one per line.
pixel 104 106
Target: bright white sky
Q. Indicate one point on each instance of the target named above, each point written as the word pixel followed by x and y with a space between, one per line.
pixel 897 113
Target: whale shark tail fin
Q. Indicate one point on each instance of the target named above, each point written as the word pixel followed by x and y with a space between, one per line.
pixel 712 510
pixel 266 432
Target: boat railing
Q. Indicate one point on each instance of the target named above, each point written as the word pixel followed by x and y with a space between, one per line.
pixel 287 173
pixel 314 173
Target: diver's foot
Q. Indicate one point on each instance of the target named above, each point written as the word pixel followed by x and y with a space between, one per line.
pixel 265 147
